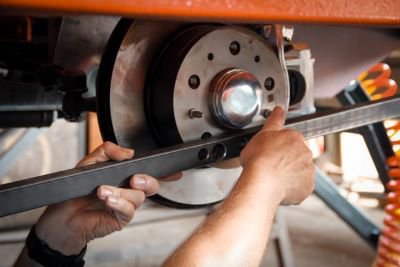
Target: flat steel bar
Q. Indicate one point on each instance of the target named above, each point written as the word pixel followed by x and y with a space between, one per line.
pixel 346 118
pixel 60 186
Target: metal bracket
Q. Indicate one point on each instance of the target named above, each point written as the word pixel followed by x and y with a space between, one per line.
pixel 328 192
pixel 374 135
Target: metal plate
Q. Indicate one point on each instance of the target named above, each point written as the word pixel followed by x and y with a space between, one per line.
pixel 122 115
pixel 196 62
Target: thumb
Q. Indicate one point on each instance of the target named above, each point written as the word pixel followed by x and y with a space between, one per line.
pixel 276 120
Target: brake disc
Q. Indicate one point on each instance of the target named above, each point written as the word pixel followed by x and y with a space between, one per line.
pixel 161 84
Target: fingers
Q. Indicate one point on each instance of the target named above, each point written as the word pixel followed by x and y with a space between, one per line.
pixel 141 185
pixel 107 151
pixel 276 120
pixel 145 183
pixel 135 197
pixel 124 201
pixel 123 209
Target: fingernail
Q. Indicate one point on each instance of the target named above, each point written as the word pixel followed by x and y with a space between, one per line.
pixel 105 192
pixel 139 181
pixel 112 200
pixel 129 151
pixel 281 111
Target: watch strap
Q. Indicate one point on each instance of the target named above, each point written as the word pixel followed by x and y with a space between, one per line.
pixel 40 252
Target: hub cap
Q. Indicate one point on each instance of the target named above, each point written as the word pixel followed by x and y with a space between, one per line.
pixel 236 98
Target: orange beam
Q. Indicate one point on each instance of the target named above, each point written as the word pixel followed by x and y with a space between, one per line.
pixel 370 12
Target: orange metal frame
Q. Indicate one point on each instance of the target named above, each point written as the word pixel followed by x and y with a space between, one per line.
pixel 369 12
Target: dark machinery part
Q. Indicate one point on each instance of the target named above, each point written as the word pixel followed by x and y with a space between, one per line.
pixel 374 135
pixel 33 92
pixel 51 92
pixel 329 193
pixel 297 85
pixel 16 119
pixel 69 184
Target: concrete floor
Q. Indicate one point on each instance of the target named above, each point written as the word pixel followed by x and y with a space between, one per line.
pixel 318 238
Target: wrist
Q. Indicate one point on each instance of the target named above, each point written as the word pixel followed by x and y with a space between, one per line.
pixel 264 181
pixel 61 240
pixel 40 252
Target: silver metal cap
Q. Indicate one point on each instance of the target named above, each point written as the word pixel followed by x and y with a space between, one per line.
pixel 236 97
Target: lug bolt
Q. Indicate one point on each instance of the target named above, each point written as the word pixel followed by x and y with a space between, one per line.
pixel 195 114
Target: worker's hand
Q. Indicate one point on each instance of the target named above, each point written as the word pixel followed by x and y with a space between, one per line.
pixel 68 226
pixel 279 158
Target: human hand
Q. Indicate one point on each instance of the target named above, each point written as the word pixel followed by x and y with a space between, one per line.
pixel 278 157
pixel 68 226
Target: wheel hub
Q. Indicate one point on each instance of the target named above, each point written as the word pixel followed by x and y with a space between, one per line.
pixel 207 80
pixel 235 98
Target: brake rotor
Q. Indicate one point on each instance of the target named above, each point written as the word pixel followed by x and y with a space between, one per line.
pixel 161 84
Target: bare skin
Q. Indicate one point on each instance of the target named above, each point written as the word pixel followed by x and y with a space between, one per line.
pixel 277 169
pixel 68 226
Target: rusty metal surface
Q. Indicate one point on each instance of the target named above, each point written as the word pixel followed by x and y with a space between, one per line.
pixel 383 12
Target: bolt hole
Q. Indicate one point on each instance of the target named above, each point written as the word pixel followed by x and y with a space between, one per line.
pixel 234 48
pixel 219 152
pixel 210 56
pixel 203 154
pixel 269 83
pixel 194 81
pixel 205 135
pixel 257 59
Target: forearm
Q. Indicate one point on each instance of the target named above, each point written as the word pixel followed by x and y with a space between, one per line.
pixel 237 232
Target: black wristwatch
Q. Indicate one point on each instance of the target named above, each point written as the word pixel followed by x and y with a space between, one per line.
pixel 40 252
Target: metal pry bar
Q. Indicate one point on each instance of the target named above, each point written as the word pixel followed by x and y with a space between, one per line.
pixel 69 184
